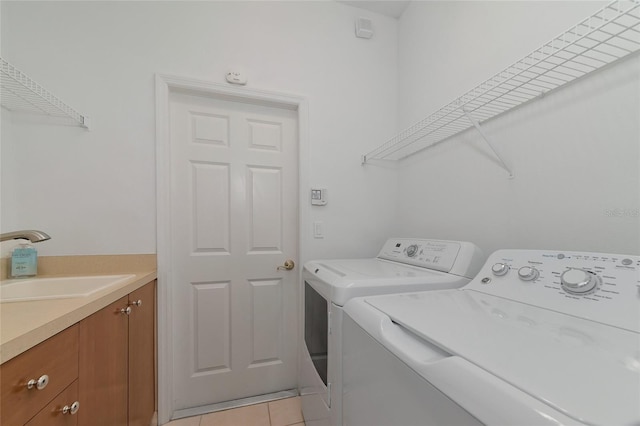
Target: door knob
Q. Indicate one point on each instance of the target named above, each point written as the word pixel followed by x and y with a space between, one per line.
pixel 288 265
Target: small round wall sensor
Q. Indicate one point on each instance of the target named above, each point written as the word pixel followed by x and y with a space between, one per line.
pixel 236 77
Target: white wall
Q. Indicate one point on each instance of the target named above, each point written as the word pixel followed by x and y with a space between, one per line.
pixel 94 192
pixel 575 153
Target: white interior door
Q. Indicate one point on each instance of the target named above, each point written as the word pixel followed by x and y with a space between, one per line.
pixel 234 220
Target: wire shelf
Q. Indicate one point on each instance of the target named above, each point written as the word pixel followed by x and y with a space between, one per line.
pixel 21 94
pixel 607 36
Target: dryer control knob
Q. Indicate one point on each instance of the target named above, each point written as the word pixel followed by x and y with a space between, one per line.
pixel 500 269
pixel 412 250
pixel 579 281
pixel 528 273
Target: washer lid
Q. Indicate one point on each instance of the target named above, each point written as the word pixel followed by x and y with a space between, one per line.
pixel 342 279
pixel 585 369
pixel 367 269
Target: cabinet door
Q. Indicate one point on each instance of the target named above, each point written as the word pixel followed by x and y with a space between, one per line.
pixel 142 370
pixel 104 366
pixel 53 415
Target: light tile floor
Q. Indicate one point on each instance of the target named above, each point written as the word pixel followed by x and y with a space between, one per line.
pixel 283 412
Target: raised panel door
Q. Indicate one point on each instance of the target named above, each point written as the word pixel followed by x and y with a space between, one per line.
pixel 234 219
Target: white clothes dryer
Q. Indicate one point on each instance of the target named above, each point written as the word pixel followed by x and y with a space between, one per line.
pixel 403 264
pixel 537 338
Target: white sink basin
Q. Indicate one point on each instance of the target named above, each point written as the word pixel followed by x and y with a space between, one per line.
pixel 20 290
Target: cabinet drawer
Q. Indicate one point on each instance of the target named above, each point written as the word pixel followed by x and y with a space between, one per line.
pixel 52 414
pixel 56 357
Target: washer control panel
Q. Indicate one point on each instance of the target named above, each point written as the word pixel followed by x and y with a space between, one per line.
pixel 595 286
pixel 460 258
pixel 432 254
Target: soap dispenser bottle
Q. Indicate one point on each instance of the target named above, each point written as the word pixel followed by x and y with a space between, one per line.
pixel 24 261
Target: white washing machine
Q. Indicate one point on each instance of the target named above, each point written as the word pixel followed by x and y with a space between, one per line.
pixel 403 264
pixel 537 338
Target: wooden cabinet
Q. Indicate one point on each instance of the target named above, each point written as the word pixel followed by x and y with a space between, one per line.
pixel 57 359
pixel 117 362
pixel 106 363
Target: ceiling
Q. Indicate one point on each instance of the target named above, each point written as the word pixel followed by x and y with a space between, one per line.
pixel 393 8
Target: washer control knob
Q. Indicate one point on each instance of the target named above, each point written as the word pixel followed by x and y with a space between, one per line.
pixel 579 281
pixel 500 269
pixel 528 273
pixel 412 250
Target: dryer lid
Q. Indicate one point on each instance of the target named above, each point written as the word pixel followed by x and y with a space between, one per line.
pixel 589 371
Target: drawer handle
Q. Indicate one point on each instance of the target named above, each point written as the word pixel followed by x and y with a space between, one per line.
pixel 126 311
pixel 136 303
pixel 39 384
pixel 71 409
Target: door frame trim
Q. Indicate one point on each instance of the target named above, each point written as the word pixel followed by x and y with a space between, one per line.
pixel 164 86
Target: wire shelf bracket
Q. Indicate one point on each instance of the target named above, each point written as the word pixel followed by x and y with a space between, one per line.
pixel 609 35
pixel 21 94
pixel 488 141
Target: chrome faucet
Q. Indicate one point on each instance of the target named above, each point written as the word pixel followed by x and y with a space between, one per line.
pixel 31 235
